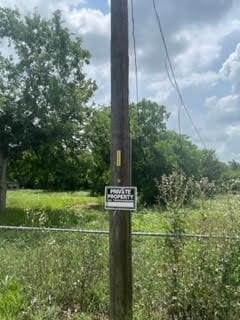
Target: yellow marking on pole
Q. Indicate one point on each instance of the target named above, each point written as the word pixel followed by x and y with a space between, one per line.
pixel 119 158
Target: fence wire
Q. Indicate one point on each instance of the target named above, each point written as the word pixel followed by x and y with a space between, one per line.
pixel 134 233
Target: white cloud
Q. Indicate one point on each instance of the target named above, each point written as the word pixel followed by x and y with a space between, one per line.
pixel 231 69
pixel 101 74
pixel 201 41
pixel 159 90
pixel 201 48
pixel 233 130
pixel 199 78
pixel 88 21
pixel 44 7
pixel 94 27
pixel 223 112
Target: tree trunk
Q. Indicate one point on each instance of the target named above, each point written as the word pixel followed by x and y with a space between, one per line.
pixel 3 181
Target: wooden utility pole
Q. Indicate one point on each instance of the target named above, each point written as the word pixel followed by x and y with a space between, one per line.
pixel 120 221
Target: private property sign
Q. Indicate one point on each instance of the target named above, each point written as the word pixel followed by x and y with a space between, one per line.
pixel 121 198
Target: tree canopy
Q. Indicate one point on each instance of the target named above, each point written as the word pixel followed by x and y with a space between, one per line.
pixel 43 89
pixel 54 139
pixel 157 151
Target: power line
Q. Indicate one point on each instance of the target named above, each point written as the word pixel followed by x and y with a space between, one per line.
pixel 174 80
pixel 179 108
pixel 135 51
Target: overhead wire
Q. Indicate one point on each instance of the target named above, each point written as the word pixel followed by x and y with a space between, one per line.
pixel 136 75
pixel 179 108
pixel 135 52
pixel 171 72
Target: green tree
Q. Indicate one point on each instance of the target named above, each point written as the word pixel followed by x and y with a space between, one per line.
pixel 43 89
pixel 210 166
pixel 155 150
pixel 234 165
pixel 52 167
pixel 181 153
pixel 148 126
pixel 97 139
pixel 232 170
pixel 158 151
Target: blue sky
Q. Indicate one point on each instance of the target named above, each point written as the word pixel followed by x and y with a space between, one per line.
pixel 102 5
pixel 203 38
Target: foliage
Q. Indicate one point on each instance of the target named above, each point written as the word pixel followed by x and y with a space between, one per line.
pixel 11 298
pixel 191 279
pixel 60 168
pixel 156 151
pixel 43 85
pixel 35 199
pixel 97 140
pixel 65 276
pixel 147 127
pixel 210 166
pixel 43 88
pixel 52 168
pixel 175 190
pixel 206 189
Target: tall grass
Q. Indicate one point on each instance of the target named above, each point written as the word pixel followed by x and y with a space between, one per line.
pixel 65 276
pixel 53 200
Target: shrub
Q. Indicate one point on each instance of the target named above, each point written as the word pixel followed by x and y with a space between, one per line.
pixel 175 190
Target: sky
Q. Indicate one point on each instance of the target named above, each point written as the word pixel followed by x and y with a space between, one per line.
pixel 203 38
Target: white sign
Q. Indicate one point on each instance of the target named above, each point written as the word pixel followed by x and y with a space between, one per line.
pixel 121 198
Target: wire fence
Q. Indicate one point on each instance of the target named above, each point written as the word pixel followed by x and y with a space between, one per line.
pixel 176 275
pixel 134 233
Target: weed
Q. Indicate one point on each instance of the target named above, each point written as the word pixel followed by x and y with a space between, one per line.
pixel 11 298
pixel 65 276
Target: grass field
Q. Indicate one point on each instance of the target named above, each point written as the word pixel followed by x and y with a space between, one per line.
pixel 65 276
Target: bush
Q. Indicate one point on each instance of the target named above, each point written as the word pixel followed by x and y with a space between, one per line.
pixel 206 189
pixel 175 190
